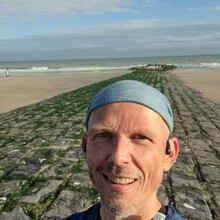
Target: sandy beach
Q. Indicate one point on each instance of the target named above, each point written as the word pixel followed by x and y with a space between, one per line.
pixel 18 91
pixel 205 81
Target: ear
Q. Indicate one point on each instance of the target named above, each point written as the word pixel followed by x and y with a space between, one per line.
pixel 84 143
pixel 171 157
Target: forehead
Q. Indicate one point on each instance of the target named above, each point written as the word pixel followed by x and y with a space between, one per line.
pixel 127 114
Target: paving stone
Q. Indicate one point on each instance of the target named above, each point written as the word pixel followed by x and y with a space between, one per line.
pixel 207 124
pixel 193 205
pixel 67 203
pixel 39 191
pixel 80 180
pixel 26 168
pixel 15 214
pixel 216 194
pixel 199 145
pixel 184 181
pixel 206 158
pixel 13 159
pixel 8 187
pixel 211 173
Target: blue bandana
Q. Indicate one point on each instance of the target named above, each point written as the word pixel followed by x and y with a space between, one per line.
pixel 136 92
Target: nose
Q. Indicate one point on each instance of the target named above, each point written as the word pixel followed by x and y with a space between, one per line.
pixel 121 152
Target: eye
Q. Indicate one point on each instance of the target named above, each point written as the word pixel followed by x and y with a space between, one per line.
pixel 103 134
pixel 139 136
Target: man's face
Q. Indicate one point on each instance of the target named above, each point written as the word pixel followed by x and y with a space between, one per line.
pixel 126 155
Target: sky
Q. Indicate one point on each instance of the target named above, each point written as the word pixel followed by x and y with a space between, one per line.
pixel 91 29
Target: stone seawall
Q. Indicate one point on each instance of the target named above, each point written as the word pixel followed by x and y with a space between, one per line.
pixel 163 67
pixel 43 174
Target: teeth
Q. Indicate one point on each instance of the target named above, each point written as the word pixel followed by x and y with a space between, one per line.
pixel 121 180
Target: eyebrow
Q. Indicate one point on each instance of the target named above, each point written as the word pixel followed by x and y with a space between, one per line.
pixel 98 127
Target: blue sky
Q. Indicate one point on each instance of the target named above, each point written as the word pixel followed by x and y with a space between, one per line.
pixel 85 29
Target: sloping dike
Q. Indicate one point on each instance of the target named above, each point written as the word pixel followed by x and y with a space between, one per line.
pixel 42 170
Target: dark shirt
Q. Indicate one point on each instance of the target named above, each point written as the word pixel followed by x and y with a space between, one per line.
pixel 93 214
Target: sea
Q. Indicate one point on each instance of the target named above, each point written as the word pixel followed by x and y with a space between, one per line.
pixel 48 67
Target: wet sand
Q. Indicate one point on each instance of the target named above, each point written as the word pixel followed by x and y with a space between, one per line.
pixel 18 91
pixel 205 81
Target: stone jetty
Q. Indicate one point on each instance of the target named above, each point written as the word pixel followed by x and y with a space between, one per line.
pixel 42 170
pixel 163 67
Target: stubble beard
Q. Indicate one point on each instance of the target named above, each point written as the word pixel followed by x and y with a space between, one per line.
pixel 115 209
pixel 111 203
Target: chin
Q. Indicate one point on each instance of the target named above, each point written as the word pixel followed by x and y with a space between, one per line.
pixel 118 210
pixel 119 207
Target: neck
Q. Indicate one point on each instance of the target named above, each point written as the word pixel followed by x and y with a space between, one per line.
pixel 146 212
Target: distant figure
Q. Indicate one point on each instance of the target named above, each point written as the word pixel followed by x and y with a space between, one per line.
pixel 7 73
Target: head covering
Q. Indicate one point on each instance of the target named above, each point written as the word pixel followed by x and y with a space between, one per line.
pixel 136 92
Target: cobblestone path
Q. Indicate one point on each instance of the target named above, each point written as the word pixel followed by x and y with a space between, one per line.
pixel 42 171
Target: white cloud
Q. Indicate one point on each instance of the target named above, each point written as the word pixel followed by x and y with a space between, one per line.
pixel 216 8
pixel 33 8
pixel 134 34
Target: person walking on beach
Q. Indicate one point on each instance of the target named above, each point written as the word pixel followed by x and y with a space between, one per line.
pixel 128 148
pixel 7 73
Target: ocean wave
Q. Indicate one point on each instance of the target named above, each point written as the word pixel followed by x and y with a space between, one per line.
pixel 78 69
pixel 213 65
pixel 106 65
pixel 199 66
pixel 39 68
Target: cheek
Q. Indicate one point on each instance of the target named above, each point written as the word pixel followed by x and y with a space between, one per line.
pixel 92 165
pixel 152 166
pixel 91 162
pixel 97 152
pixel 93 158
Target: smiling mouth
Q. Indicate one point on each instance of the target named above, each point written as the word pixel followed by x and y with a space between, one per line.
pixel 120 180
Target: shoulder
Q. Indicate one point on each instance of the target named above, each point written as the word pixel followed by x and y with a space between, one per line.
pixel 173 214
pixel 89 214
